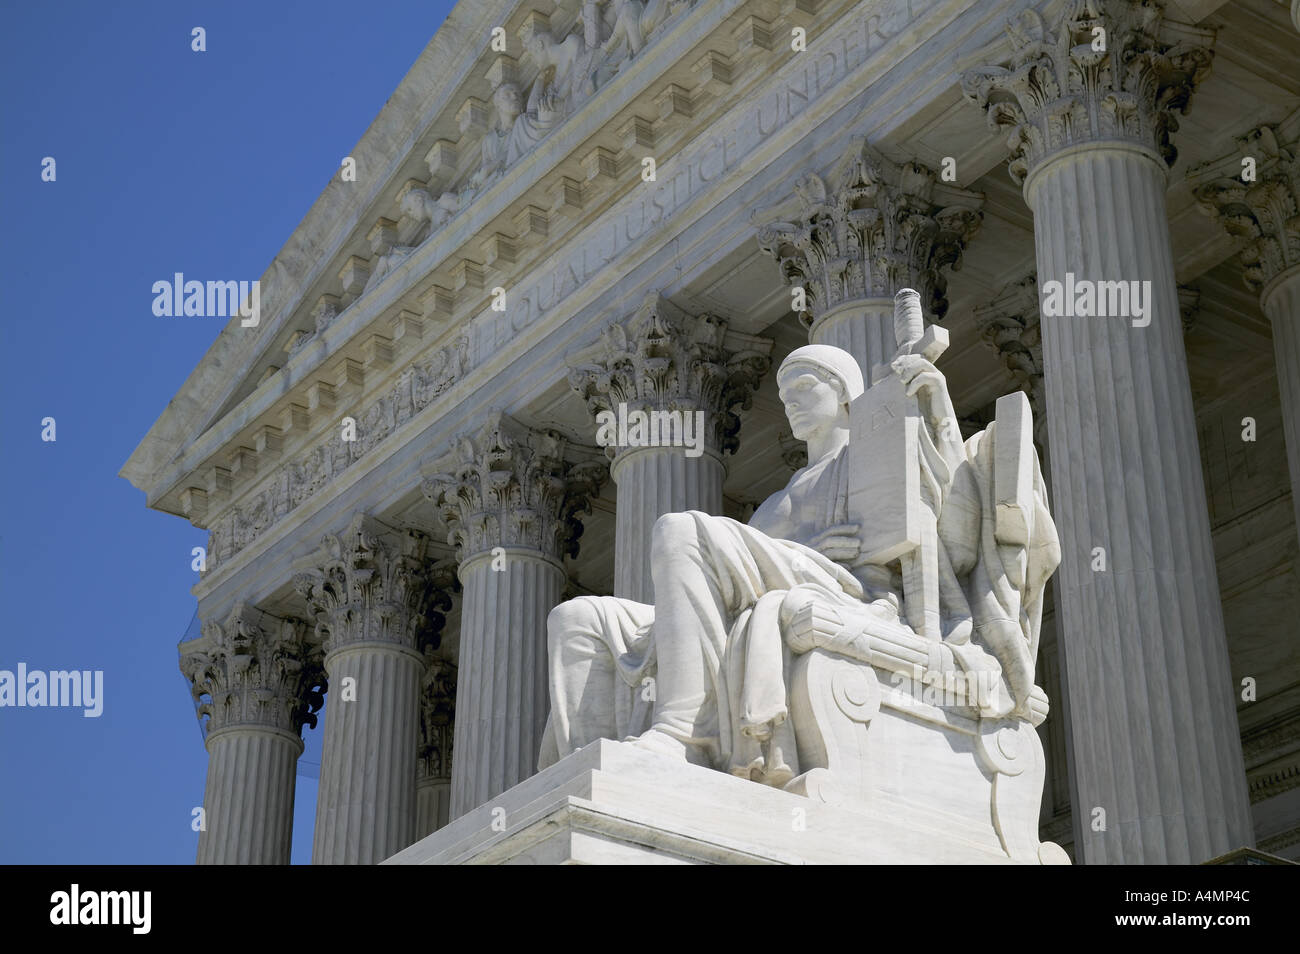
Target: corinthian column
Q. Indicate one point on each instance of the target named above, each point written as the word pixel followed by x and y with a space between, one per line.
pixel 681 376
pixel 1255 193
pixel 370 595
pixel 851 242
pixel 433 768
pixel 1011 326
pixel 512 504
pixel 1158 763
pixel 258 679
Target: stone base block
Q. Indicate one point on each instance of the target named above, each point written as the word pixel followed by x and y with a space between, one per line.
pixel 611 803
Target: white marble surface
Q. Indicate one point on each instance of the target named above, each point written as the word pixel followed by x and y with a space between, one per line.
pixel 610 803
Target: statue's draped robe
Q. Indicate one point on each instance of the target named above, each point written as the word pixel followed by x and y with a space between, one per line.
pixel 598 673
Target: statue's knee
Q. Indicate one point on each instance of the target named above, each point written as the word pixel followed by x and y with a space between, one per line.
pixel 672 533
pixel 571 617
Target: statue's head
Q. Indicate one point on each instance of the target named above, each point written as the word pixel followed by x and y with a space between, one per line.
pixel 507 101
pixel 536 44
pixel 413 203
pixel 817 383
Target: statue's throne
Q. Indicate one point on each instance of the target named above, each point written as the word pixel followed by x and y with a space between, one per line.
pixel 883 726
pixel 892 719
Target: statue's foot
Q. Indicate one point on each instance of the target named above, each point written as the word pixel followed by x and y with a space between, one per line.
pixel 776 771
pixel 778 775
pixel 752 772
pixel 657 740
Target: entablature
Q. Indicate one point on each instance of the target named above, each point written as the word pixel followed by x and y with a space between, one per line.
pixel 408 304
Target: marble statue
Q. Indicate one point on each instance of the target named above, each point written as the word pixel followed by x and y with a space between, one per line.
pixel 900 564
pixel 563 79
pixel 634 21
pixel 422 207
pixel 501 144
pixel 563 75
pixel 568 71
pixel 385 263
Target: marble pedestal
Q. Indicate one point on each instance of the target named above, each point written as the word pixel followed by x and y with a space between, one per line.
pixel 611 803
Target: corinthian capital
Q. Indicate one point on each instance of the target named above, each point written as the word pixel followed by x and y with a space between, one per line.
pixel 1255 193
pixel 372 585
pixel 664 359
pixel 255 670
pixel 512 487
pixel 1101 70
pixel 1010 325
pixel 872 228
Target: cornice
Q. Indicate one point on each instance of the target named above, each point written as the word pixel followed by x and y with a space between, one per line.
pixel 349 358
pixel 186 438
pixel 417 103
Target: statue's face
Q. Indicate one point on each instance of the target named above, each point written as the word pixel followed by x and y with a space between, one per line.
pixel 812 401
pixel 507 102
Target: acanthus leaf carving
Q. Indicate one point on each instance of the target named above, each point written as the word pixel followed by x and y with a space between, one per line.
pixel 871 228
pixel 1264 211
pixel 666 359
pixel 1010 324
pixel 437 718
pixel 1059 89
pixel 371 585
pixel 512 487
pixel 255 670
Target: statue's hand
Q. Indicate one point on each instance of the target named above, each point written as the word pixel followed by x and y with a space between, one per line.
pixel 918 374
pixel 841 544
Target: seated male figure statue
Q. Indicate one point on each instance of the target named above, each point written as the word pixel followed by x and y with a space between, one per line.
pixel 703 674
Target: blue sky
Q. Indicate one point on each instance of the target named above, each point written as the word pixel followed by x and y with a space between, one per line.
pixel 168 161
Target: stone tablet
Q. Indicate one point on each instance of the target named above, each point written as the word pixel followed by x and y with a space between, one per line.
pixel 1013 469
pixel 884 479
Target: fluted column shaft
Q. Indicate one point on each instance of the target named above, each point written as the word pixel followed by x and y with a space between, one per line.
pixel 432 805
pixel 512 506
pixel 864 328
pixel 365 805
pixel 257 679
pixel 373 596
pixel 501 697
pixel 248 797
pixel 653 481
pixel 1281 302
pixel 1150 691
